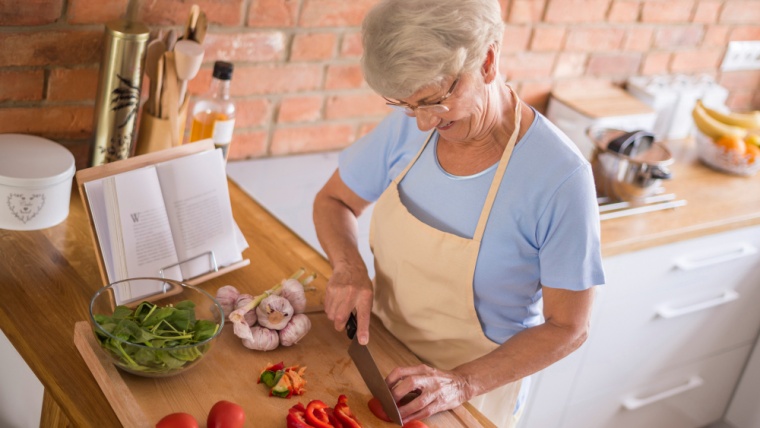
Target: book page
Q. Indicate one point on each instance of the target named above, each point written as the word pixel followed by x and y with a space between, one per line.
pixel 198 205
pixel 141 236
pixel 97 203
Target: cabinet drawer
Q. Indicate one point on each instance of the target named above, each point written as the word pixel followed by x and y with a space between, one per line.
pixel 688 396
pixel 636 334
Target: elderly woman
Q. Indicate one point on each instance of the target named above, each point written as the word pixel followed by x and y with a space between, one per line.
pixel 485 232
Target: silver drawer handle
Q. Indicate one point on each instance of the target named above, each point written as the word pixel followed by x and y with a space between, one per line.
pixel 669 312
pixel 743 250
pixel 634 403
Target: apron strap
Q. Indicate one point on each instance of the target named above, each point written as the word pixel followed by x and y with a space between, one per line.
pixel 481 227
pixel 401 176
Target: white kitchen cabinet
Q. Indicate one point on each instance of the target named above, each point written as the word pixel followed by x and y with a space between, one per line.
pixel 744 411
pixel 671 332
pixel 20 390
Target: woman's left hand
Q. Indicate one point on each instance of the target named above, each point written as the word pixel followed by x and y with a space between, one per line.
pixel 438 390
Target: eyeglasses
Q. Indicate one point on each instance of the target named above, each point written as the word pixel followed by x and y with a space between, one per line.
pixel 433 108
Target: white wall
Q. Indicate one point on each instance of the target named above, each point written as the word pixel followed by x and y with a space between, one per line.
pixel 20 390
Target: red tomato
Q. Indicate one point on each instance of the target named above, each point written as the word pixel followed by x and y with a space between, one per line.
pixel 377 409
pixel 177 420
pixel 415 424
pixel 225 414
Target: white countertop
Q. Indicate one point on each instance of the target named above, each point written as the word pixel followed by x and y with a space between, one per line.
pixel 286 187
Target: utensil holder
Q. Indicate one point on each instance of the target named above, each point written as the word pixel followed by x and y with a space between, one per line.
pixel 157 134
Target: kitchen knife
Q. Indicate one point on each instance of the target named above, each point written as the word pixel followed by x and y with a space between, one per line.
pixel 371 373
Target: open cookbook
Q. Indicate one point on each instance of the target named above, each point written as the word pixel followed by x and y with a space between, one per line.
pixel 163 217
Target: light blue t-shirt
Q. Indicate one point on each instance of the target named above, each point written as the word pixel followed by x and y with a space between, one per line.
pixel 544 224
pixel 543 228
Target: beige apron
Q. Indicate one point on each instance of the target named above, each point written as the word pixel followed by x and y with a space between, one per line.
pixel 424 286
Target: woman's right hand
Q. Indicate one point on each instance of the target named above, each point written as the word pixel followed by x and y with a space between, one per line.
pixel 349 288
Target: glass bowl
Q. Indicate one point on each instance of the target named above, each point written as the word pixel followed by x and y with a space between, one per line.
pixel 155 327
pixel 731 162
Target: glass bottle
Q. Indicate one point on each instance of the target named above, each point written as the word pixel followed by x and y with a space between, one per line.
pixel 214 113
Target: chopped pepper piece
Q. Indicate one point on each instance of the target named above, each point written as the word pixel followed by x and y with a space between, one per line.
pixel 344 415
pixel 317 416
pixel 297 417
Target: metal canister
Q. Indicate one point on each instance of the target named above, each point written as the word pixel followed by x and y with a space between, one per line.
pixel 118 97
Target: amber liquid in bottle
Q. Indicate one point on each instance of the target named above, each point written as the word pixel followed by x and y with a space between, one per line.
pixel 214 115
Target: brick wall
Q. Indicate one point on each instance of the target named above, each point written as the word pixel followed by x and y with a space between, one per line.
pixel 297 82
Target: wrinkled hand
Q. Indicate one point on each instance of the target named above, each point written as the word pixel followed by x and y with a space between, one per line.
pixel 438 390
pixel 348 288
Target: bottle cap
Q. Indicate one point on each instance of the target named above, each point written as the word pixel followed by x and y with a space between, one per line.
pixel 223 70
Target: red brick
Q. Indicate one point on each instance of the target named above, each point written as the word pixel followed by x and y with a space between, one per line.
pixel 21 85
pixel 638 39
pixel 678 36
pixel 576 11
pixel 245 46
pixel 707 11
pixel 536 94
pixel 351 46
pixel 624 11
pixel 590 39
pixel 73 84
pixel 248 144
pixel 740 80
pixel 252 112
pixel 515 38
pixel 45 48
pixel 655 63
pixel 334 13
pixel 547 38
pixel 272 79
pixel 344 76
pixel 313 46
pixel 355 105
pixel 667 11
pixel 695 61
pixel 30 12
pixel 525 11
pixel 81 150
pixel 715 36
pixel 300 109
pixel 570 64
pixel 740 12
pixel 527 65
pixel 311 138
pixel 607 64
pixel 273 13
pixel 66 122
pixel 95 12
pixel 744 33
pixel 176 12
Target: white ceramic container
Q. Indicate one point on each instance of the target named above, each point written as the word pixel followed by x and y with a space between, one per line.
pixel 35 182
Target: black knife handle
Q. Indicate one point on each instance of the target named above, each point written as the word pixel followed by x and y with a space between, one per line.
pixel 351 326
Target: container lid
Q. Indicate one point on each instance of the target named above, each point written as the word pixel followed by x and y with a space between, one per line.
pixel 30 161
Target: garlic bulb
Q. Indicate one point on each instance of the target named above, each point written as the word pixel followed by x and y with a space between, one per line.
pixel 296 329
pixel 274 312
pixel 262 339
pixel 226 297
pixel 241 301
pixel 292 289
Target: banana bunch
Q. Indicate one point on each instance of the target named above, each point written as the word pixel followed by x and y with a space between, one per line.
pixel 716 124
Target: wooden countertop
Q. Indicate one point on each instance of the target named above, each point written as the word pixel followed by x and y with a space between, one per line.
pixel 716 202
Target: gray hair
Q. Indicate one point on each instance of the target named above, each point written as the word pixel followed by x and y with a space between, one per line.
pixel 410 44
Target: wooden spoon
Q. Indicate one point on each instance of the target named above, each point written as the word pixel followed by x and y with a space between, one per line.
pixel 199 33
pixel 155 51
pixel 192 21
pixel 188 56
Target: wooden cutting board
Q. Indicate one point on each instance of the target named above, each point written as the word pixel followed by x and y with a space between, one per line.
pixel 230 372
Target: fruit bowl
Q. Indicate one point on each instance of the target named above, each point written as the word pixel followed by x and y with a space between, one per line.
pixel 163 334
pixel 725 160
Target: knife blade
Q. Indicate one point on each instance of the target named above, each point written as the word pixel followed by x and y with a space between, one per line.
pixel 369 371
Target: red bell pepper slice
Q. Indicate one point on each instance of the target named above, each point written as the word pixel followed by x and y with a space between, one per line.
pixel 297 417
pixel 317 414
pixel 344 415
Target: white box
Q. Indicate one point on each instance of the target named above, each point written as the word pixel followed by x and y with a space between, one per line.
pixel 574 109
pixel 35 182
